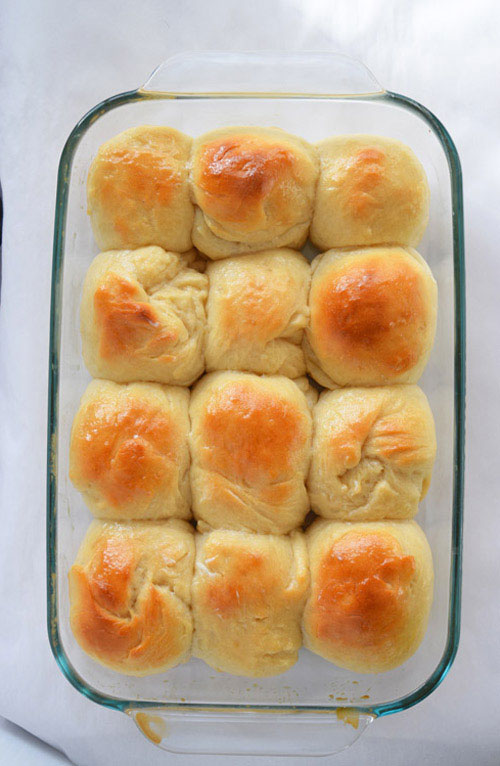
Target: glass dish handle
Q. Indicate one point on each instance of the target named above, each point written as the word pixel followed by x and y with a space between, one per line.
pixel 251 733
pixel 301 73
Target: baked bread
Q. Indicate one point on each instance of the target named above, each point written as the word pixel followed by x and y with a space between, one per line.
pixel 257 310
pixel 130 595
pixel 138 191
pixel 253 189
pixel 371 190
pixel 250 446
pixel 372 454
pixel 373 317
pixel 143 316
pixel 371 593
pixel 248 594
pixel 129 453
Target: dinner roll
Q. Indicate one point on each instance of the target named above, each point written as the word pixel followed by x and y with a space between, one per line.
pixel 250 446
pixel 371 190
pixel 372 454
pixel 130 595
pixel 257 310
pixel 253 189
pixel 138 192
pixel 248 595
pixel 373 317
pixel 371 593
pixel 129 453
pixel 143 316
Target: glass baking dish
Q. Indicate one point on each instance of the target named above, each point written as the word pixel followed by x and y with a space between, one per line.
pixel 314 708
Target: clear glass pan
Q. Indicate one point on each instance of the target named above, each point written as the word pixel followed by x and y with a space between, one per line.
pixel 314 96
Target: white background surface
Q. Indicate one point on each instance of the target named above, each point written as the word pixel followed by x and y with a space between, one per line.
pixel 57 59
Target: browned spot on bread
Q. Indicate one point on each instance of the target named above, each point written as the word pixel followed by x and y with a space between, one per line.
pixel 251 435
pixel 125 452
pixel 363 173
pixel 361 593
pixel 373 312
pixel 238 173
pixel 127 324
pixel 240 581
pixel 151 634
pixel 262 307
pixel 125 176
pixel 110 574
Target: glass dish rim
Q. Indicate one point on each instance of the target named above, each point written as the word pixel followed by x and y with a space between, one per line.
pixel 453 636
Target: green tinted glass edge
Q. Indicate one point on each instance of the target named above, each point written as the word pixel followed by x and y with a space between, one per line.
pixel 451 648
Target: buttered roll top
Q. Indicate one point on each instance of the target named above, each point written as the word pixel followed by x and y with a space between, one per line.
pixel 250 445
pixel 129 452
pixel 138 191
pixel 371 592
pixel 248 595
pixel 130 595
pixel 257 311
pixel 371 190
pixel 373 317
pixel 253 189
pixel 372 454
pixel 143 316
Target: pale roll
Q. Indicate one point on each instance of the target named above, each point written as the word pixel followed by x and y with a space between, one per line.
pixel 138 192
pixel 257 310
pixel 371 190
pixel 372 454
pixel 248 595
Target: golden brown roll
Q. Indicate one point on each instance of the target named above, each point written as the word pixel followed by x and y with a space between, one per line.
pixel 130 595
pixel 372 454
pixel 129 453
pixel 373 317
pixel 250 446
pixel 253 189
pixel 257 310
pixel 143 316
pixel 371 593
pixel 371 191
pixel 138 191
pixel 248 595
